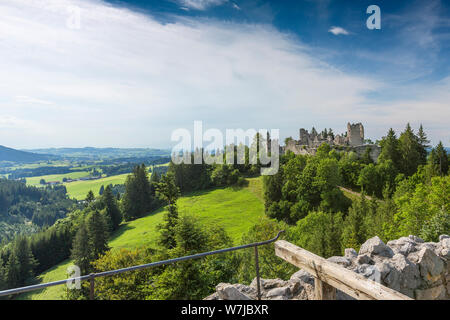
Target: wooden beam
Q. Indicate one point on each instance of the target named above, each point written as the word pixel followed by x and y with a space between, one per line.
pixel 323 291
pixel 335 275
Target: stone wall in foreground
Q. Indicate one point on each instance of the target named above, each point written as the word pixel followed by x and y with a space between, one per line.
pixel 418 269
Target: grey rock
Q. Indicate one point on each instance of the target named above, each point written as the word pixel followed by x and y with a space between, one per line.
pixel 430 264
pixel 302 276
pixel 267 284
pixel 392 279
pixel 350 253
pixel 409 272
pixel 416 239
pixel 429 245
pixel 228 291
pixel 340 260
pixel 375 246
pixel 434 293
pixel 283 291
pixel 443 236
pixel 214 296
pixel 445 243
pixel 406 249
pixel 366 270
pixel 364 259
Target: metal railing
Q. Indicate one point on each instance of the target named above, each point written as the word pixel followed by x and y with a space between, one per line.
pixel 91 277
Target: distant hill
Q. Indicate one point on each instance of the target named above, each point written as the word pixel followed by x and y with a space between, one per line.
pixel 13 155
pixel 103 153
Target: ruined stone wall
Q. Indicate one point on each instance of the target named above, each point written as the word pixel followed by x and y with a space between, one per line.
pixel 355 134
pixel 418 269
pixel 375 151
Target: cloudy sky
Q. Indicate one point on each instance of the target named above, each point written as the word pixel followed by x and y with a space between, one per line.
pixel 80 73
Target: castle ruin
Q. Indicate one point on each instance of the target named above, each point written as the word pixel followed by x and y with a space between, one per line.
pixel 353 140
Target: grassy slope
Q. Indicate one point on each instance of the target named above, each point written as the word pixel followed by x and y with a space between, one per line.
pixel 236 209
pixel 79 189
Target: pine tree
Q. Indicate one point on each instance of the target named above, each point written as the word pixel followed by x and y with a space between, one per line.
pixel 440 159
pixel 137 199
pixel 97 230
pixel 13 277
pixel 112 209
pixel 169 192
pixel 390 149
pixel 409 148
pixel 354 233
pixel 90 197
pixel 81 250
pixel 25 258
pixel 102 189
pixel 424 144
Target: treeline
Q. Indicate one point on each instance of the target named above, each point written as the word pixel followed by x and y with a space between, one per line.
pixel 116 166
pixel 409 187
pixel 191 177
pixel 400 157
pixel 35 172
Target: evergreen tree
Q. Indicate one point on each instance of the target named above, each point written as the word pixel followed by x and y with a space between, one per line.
pixel 169 192
pixel 424 144
pixel 13 277
pixel 390 149
pixel 112 209
pixel 81 250
pixel 354 233
pixel 137 199
pixel 409 148
pixel 97 230
pixel 25 258
pixel 102 189
pixel 439 158
pixel 90 197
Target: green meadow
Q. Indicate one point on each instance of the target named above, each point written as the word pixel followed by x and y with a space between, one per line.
pixel 79 189
pixel 235 209
pixel 35 181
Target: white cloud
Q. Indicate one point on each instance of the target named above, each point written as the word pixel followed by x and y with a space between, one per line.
pixel 235 6
pixel 125 79
pixel 201 4
pixel 338 30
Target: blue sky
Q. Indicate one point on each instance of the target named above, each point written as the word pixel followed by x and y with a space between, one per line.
pixel 133 71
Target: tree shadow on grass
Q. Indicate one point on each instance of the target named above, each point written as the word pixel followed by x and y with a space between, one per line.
pixel 122 229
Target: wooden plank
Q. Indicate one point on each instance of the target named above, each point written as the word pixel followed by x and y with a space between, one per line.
pixel 335 275
pixel 324 291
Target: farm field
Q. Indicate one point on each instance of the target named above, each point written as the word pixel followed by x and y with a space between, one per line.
pixel 34 181
pixel 236 209
pixel 79 189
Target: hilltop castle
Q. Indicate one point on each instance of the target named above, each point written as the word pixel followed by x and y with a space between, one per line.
pixel 353 140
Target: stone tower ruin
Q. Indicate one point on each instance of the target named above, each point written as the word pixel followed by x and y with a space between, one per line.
pixel 355 134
